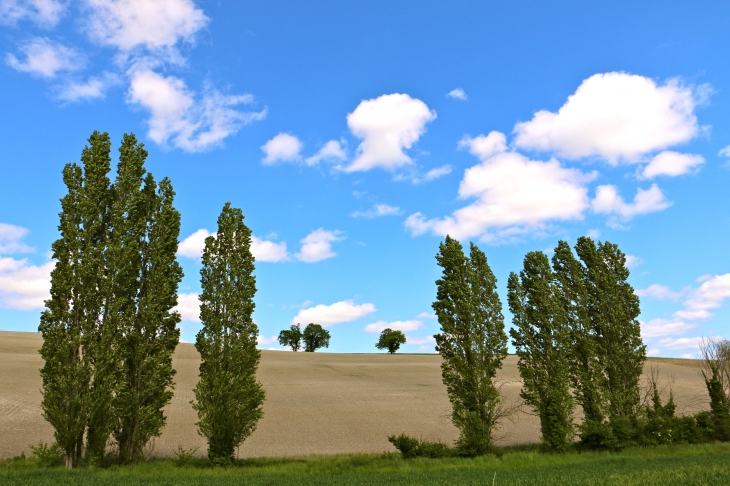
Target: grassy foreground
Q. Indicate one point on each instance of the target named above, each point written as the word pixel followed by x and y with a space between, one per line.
pixel 665 465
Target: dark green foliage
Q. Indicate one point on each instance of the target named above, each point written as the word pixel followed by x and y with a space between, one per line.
pixel 76 347
pixel 719 406
pixel 472 343
pixel 542 341
pixel 607 350
pixel 391 340
pixel 315 337
pixel 291 337
pixel 410 447
pixel 145 277
pixel 228 398
pixel 109 330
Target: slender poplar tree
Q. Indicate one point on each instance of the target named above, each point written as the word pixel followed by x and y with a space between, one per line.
pixel 228 398
pixel 146 276
pixel 541 338
pixel 602 310
pixel 472 342
pixel 74 343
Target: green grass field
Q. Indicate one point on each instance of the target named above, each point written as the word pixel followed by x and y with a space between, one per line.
pixel 681 465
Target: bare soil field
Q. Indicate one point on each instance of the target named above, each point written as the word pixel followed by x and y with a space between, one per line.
pixel 316 403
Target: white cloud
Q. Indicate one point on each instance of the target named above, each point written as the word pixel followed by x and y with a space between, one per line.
pixel 377 211
pixel 665 327
pixel 193 245
pixel 45 13
pixel 266 341
pixel 387 125
pixel 608 201
pixel 10 236
pixel 93 88
pixel 426 315
pixel 710 294
pixel 24 286
pixel 188 305
pixel 660 292
pixel 725 152
pixel 282 148
pixel 682 343
pixel 420 340
pixel 485 146
pixel 268 251
pixel 177 117
pixel 457 94
pixel 45 58
pixel 653 352
pixel 332 151
pixel 616 116
pixel 317 245
pixel 327 315
pixel 432 174
pixel 671 164
pixel 262 250
pixel 412 325
pixel 631 260
pixel 514 195
pixel 157 26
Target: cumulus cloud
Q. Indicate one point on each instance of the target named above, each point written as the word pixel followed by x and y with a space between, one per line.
pixel 262 250
pixel 317 245
pixel 328 315
pixel 266 341
pixel 10 239
pixel 282 148
pixel 457 94
pixel 45 58
pixel 412 325
pixel 377 211
pixel 660 292
pixel 682 343
pixel 514 195
pixel 24 286
pixel 671 164
pixel 157 26
pixel 268 251
pixel 631 260
pixel 710 295
pixel 725 152
pixel 188 306
pixel 665 327
pixel 609 202
pixel 421 340
pixel 45 13
pixel 177 117
pixel 332 151
pixel 616 116
pixel 93 88
pixel 485 146
pixel 387 125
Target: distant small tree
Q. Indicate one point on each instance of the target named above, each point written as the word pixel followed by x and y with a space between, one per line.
pixel 391 340
pixel 315 337
pixel 228 398
pixel 291 337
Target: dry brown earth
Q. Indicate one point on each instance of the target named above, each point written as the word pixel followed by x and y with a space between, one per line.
pixel 317 403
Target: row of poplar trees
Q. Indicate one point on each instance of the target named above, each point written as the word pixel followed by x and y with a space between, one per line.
pixel 574 328
pixel 110 329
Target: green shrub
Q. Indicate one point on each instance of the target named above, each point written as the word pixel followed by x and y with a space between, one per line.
pixel 47 456
pixel 410 447
pixel 184 457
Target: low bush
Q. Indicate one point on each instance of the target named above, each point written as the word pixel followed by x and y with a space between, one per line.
pixel 410 447
pixel 47 456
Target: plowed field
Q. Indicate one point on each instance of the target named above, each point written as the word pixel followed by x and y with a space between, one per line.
pixel 317 403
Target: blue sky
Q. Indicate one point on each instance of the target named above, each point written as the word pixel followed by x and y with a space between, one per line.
pixel 355 135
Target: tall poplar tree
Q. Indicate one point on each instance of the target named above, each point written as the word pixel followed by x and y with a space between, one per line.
pixel 228 398
pixel 602 309
pixel 146 275
pixel 542 340
pixel 472 342
pixel 75 348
